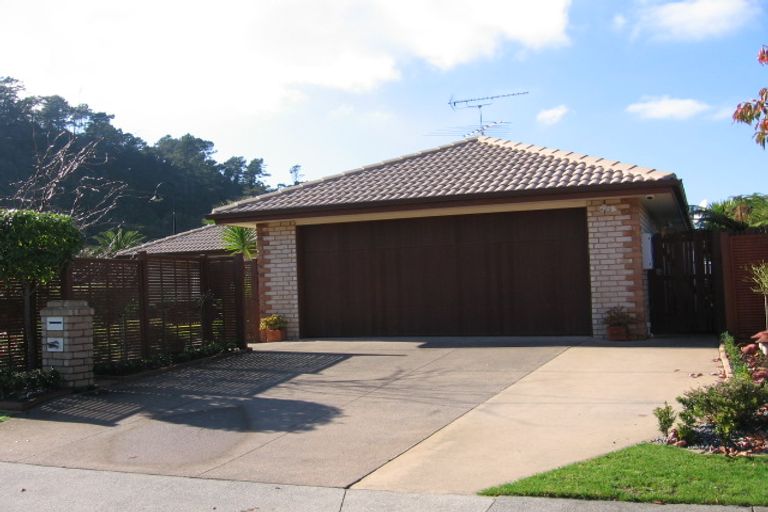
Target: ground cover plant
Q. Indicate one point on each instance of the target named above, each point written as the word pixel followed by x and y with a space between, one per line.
pixel 130 366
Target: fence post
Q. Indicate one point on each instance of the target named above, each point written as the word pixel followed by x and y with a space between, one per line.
pixel 238 272
pixel 66 282
pixel 205 306
pixel 729 292
pixel 141 263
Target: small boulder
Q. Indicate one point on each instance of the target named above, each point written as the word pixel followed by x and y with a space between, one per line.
pixel 681 444
pixel 761 337
pixel 760 373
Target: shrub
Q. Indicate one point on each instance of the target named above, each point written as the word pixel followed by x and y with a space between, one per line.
pixel 130 366
pixel 272 322
pixel 35 246
pixel 666 417
pixel 20 385
pixel 729 406
pixel 738 366
pixel 617 316
pixel 686 427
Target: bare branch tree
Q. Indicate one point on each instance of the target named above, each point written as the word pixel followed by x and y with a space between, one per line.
pixel 58 182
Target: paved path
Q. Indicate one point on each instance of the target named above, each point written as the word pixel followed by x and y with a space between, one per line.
pixel 425 415
pixel 306 413
pixel 25 488
pixel 588 401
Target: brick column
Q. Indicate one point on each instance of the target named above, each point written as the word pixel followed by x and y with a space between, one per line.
pixel 616 262
pixel 67 328
pixel 278 275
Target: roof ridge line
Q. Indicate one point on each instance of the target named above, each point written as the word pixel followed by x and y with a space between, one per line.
pixel 587 159
pixel 332 177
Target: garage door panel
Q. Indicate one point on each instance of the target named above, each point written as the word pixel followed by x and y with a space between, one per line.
pixel 491 274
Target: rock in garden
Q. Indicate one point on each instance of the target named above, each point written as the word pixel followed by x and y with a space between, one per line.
pixel 749 349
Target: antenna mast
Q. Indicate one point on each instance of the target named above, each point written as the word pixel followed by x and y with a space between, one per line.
pixel 479 103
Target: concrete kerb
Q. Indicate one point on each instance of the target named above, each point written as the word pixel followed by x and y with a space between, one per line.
pixel 27 487
pixel 726 362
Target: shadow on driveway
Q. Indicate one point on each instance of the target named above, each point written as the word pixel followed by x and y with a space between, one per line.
pixel 220 395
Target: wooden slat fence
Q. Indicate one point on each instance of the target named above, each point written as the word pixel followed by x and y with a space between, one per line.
pixel 744 310
pixel 145 307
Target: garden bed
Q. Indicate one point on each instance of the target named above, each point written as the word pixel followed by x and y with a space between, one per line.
pixel 22 390
pixel 139 368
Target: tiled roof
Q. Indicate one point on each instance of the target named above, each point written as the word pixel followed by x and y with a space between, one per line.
pixel 199 240
pixel 476 166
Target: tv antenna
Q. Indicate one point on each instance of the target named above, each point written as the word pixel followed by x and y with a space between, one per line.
pixel 479 103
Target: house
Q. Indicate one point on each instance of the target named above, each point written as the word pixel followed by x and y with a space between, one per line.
pixel 203 240
pixel 479 237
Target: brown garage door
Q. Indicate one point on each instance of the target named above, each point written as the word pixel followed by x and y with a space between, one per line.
pixel 521 273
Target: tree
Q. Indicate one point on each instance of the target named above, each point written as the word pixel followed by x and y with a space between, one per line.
pixel 252 178
pixel 37 133
pixel 759 277
pixel 240 240
pixel 59 184
pixel 110 242
pixel 234 168
pixel 34 248
pixel 296 174
pixel 756 111
pixel 736 213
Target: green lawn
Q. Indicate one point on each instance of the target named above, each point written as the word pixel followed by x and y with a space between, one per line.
pixel 652 473
pixel 4 417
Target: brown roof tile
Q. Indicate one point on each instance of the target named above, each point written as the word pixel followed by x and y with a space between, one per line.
pixel 199 240
pixel 479 165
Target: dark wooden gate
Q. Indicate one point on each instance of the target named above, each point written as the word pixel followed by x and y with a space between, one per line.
pixel 685 284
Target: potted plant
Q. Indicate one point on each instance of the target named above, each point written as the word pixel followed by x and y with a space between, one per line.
pixel 618 319
pixel 272 328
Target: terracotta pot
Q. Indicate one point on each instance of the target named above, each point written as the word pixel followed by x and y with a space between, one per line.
pixel 618 333
pixel 271 335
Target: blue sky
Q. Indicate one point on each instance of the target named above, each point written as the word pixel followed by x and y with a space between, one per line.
pixel 333 85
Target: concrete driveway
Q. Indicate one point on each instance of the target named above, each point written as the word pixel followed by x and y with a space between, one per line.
pixel 427 415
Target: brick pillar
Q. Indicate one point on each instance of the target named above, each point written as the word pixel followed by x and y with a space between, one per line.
pixel 616 262
pixel 278 275
pixel 67 328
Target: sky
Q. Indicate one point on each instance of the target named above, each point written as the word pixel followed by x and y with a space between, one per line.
pixel 332 85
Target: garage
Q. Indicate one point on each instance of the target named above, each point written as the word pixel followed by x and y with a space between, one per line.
pixel 510 273
pixel 478 237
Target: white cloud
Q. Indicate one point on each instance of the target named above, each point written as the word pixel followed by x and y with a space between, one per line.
pixel 664 107
pixel 693 20
pixel 618 22
pixel 552 116
pixel 181 63
pixel 723 113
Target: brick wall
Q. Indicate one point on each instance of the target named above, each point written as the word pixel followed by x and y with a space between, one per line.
pixel 278 282
pixel 74 359
pixel 616 267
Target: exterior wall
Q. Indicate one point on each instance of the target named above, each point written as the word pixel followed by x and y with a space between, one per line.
pixel 647 225
pixel 616 266
pixel 278 280
pixel 616 272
